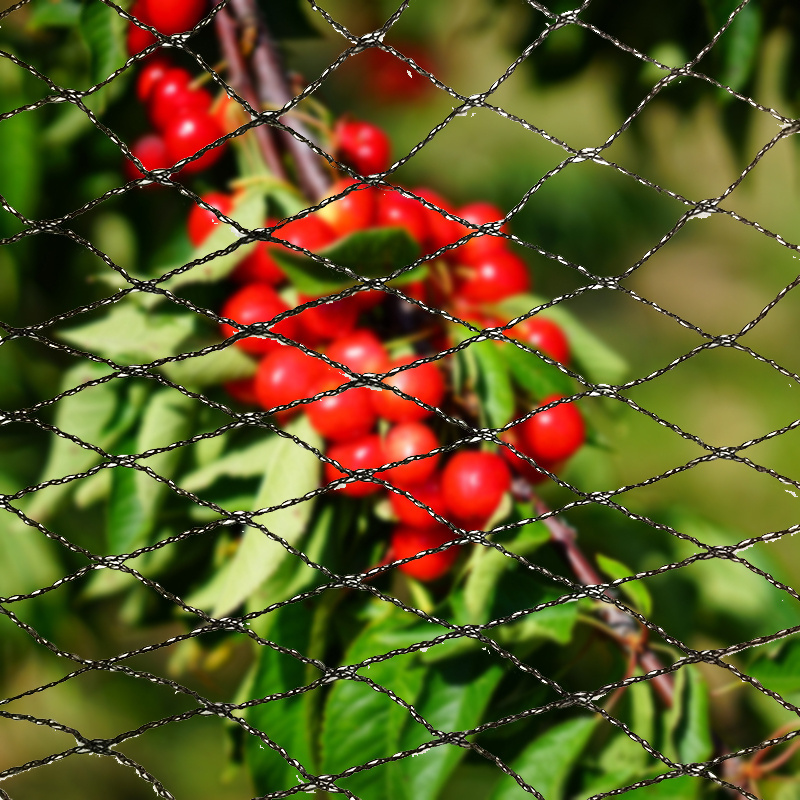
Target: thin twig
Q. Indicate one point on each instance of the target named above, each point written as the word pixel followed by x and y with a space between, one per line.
pixel 239 80
pixel 273 91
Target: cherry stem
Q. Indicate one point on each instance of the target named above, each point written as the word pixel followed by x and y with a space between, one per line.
pixel 273 90
pixel 629 633
pixel 239 80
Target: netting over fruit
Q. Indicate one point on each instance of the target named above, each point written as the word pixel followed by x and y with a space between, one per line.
pixel 375 351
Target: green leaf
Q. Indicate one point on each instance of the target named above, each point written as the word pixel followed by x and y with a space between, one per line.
pixel 688 724
pixel 535 376
pixel 636 591
pixel 249 210
pixel 554 623
pixel 361 724
pixel 211 369
pixel 593 359
pixel 456 695
pixel 285 721
pixel 129 334
pixel 289 471
pixel 547 762
pixel 780 670
pixel 740 45
pixel 287 20
pixel 54 14
pixel 371 253
pixel 104 32
pixel 494 383
pixel 243 463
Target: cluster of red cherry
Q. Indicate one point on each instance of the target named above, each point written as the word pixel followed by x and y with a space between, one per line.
pixel 365 428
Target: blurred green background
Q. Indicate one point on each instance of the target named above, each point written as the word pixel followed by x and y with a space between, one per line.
pixel 716 273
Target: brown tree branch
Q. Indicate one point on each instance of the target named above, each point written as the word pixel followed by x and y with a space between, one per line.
pixel 272 88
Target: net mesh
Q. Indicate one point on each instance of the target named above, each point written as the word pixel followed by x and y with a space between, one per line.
pixel 618 614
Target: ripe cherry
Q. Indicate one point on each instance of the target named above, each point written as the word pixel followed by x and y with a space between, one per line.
pixel 285 375
pixel 138 38
pixel 441 231
pixel 493 277
pixel 553 435
pixel 172 95
pixel 326 321
pixel 542 334
pixel 253 303
pixel 341 417
pixel 310 232
pixel 362 146
pixel 201 222
pixel 174 16
pixel 429 494
pixel 398 211
pixel 519 465
pixel 361 350
pixel 364 453
pixel 243 391
pixel 408 542
pixel 424 381
pixel 391 80
pixel 404 441
pixel 154 69
pixel 189 133
pixel 473 484
pixel 151 151
pixel 351 212
pixel 479 213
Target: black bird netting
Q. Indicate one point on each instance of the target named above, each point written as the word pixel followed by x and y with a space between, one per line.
pixel 338 549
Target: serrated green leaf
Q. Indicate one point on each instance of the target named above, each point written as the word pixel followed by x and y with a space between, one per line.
pixel 289 471
pixel 593 359
pixel 372 253
pixel 129 334
pixel 249 210
pixel 547 762
pixel 455 697
pixel 54 14
pixel 284 721
pixel 636 591
pixel 211 369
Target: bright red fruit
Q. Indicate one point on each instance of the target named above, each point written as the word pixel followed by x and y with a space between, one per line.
pixel 365 453
pixel 404 441
pixel 495 276
pixel 151 151
pixel 441 231
pixel 174 16
pixel 429 494
pixel 257 302
pixel 390 79
pixel 553 435
pixel 473 483
pixel 326 321
pixel 424 381
pixel 153 70
pixel 479 213
pixel 542 334
pixel 362 146
pixel 243 391
pixel 172 96
pixel 398 211
pixel 520 465
pixel 351 212
pixel 190 133
pixel 202 222
pixel 407 542
pixel 137 38
pixel 285 375
pixel 361 350
pixel 309 232
pixel 259 266
pixel 341 417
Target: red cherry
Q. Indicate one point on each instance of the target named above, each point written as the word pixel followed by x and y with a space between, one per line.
pixel 407 542
pixel 309 232
pixel 362 146
pixel 479 213
pixel 473 484
pixel 520 465
pixel 542 334
pixel 351 212
pixel 494 277
pixel 151 151
pixel 341 417
pixel 429 494
pixel 424 381
pixel 326 321
pixel 202 222
pixel 174 16
pixel 172 96
pixel 361 350
pixel 190 133
pixel 364 453
pixel 553 435
pixel 257 303
pixel 403 441
pixel 286 375
pixel 391 80
pixel 441 231
pixel 154 69
pixel 259 266
pixel 243 391
pixel 138 38
pixel 398 211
